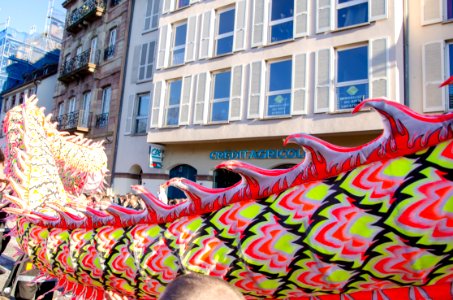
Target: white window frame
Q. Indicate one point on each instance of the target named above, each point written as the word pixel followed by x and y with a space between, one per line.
pixel 148 63
pixel 167 102
pixel 346 83
pixel 137 117
pixel 112 36
pixel 224 35
pixel 151 14
pixel 175 48
pixel 86 101
pixel 278 22
pixel 339 6
pixel 106 94
pixel 213 101
pixel 269 94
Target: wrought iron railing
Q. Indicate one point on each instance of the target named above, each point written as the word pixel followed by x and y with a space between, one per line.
pixel 102 120
pixel 80 61
pixel 109 52
pixel 74 120
pixel 79 14
pixel 116 2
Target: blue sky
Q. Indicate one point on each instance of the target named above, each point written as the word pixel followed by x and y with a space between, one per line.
pixel 25 13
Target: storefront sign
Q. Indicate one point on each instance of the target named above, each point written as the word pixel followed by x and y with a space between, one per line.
pixel 156 156
pixel 287 153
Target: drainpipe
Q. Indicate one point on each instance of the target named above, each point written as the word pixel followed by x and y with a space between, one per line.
pixel 406 92
pixel 123 82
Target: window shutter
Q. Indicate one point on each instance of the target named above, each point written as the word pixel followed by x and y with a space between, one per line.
pixel 142 64
pixel 157 97
pixel 135 63
pixel 431 11
pixel 236 94
pixel 299 92
pixel 323 15
pixel 200 98
pixel 258 29
pixel 301 18
pixel 184 111
pixel 239 26
pixel 433 75
pixel 378 9
pixel 323 80
pixel 150 60
pixel 164 39
pixel 378 74
pixel 191 29
pixel 256 90
pixel 130 115
pixel 168 6
pixel 207 31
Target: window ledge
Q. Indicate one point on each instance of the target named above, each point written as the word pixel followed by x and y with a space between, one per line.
pixel 447 21
pixel 352 27
pixel 149 30
pixel 145 80
pixel 139 134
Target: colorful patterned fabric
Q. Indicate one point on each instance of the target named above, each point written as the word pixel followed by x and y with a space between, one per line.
pixel 369 222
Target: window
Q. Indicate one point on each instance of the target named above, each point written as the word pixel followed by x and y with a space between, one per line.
pixel 110 50
pixel 93 49
pixel 450 72
pixel 225 32
pixel 173 103
pixel 449 9
pixel 72 105
pixel 141 117
pixel 179 44
pixel 86 109
pixel 183 171
pixel 279 88
pixel 352 77
pixel 145 69
pixel 152 15
pixel 182 3
pixel 220 103
pixel 103 118
pixel 351 12
pixel 282 16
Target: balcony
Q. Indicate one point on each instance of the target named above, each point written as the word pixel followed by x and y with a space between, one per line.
pixel 102 120
pixel 75 121
pixel 83 64
pixel 109 52
pixel 83 15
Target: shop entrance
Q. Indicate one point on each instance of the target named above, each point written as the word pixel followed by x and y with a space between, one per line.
pixel 185 171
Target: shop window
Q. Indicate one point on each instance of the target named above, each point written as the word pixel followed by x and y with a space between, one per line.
pixel 173 103
pixel 279 88
pixel 225 178
pixel 351 12
pixel 450 72
pixel 179 44
pixel 152 15
pixel 184 171
pixel 225 32
pixel 141 116
pixel 281 23
pixel 220 102
pixel 352 77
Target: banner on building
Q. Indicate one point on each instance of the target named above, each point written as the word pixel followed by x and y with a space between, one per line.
pixel 156 156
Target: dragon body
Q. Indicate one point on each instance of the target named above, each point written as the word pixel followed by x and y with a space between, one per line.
pixel 371 222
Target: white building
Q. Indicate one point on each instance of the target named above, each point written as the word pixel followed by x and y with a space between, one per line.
pixel 132 158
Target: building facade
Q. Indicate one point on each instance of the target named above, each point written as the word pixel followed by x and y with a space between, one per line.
pixel 234 78
pixel 430 62
pixel 40 82
pixel 87 97
pixel 132 159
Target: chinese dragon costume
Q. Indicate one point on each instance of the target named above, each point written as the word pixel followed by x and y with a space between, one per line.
pixel 367 222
